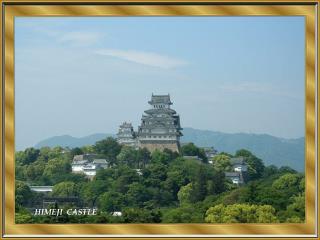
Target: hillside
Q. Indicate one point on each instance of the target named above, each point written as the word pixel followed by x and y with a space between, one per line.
pixel 69 141
pixel 273 150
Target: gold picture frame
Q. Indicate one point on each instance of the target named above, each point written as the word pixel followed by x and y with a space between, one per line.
pixel 12 9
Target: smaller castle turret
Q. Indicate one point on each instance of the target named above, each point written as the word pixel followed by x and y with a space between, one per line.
pixel 126 135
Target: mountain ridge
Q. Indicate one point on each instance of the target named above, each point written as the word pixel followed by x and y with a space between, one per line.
pixel 272 150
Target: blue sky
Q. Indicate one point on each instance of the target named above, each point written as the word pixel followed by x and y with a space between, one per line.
pixel 80 76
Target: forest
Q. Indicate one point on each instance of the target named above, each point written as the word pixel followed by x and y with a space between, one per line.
pixel 168 188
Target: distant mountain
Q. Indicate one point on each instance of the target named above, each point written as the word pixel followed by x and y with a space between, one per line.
pixel 69 141
pixel 273 150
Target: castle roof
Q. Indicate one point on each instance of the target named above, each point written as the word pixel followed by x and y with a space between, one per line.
pixel 126 125
pixel 161 110
pixel 160 99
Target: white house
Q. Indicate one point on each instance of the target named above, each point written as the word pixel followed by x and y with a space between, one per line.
pixel 101 163
pixel 235 177
pixel 77 166
pixel 90 169
pixel 238 164
pixel 210 152
pixel 87 164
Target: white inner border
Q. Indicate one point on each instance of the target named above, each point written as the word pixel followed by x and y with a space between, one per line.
pixel 216 235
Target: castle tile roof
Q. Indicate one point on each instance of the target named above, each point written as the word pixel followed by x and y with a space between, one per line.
pixel 160 99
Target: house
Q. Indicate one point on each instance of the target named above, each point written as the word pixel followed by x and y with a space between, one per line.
pixel 238 164
pixel 210 152
pixel 235 177
pixel 88 164
pixel 101 163
pixel 86 156
pixel 90 169
pixel 77 166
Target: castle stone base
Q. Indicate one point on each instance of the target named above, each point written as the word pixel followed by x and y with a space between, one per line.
pixel 160 146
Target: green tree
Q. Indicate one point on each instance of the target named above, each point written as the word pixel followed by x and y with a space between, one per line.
pixel 140 215
pixel 91 191
pixel 185 194
pixel 154 174
pixel 287 181
pixel 221 162
pixel 286 169
pixel 23 218
pixel 128 156
pixel 200 185
pixel 124 177
pixel 192 150
pixel 216 183
pixel 270 170
pixel 111 201
pixel 137 195
pixel 175 179
pixel 76 151
pixel 255 165
pixel 109 147
pixel 160 157
pixel 295 211
pixel 65 189
pixel 143 157
pixel 87 149
pixel 27 156
pixel 56 170
pixel 241 213
pixel 184 214
pixel 23 194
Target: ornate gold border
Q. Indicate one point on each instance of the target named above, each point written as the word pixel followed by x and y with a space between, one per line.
pixel 15 8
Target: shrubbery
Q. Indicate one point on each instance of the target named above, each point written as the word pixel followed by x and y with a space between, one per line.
pixel 166 188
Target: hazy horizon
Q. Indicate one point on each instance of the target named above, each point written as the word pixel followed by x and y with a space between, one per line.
pixel 81 76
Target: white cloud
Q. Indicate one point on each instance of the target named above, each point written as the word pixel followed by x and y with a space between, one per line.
pixel 145 58
pixel 79 38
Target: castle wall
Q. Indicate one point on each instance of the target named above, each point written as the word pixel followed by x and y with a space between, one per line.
pixel 160 146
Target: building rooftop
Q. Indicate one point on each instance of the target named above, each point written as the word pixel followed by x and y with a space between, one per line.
pixel 86 156
pixel 78 158
pixel 160 99
pixel 166 111
pixel 100 161
pixel 79 162
pixel 232 174
pixel 126 125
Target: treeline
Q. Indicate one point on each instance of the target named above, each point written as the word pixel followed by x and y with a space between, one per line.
pixel 167 187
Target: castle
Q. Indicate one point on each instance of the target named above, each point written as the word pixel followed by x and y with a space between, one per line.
pixel 160 127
